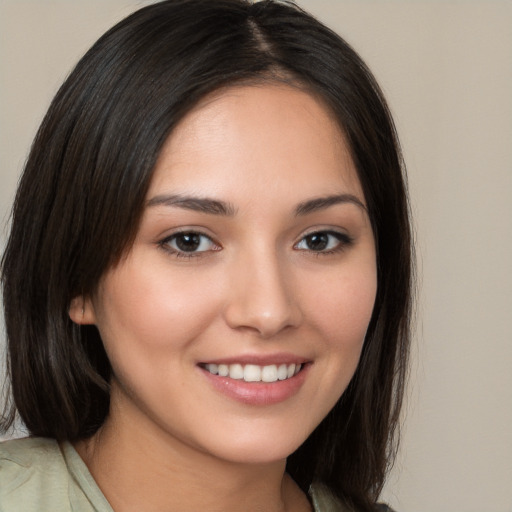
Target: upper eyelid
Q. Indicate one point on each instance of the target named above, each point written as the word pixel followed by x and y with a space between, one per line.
pixel 184 230
pixel 168 238
pixel 334 231
pixel 343 238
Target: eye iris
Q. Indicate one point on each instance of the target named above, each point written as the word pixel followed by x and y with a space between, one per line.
pixel 188 242
pixel 317 241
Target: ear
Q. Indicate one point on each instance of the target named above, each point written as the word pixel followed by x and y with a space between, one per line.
pixel 81 311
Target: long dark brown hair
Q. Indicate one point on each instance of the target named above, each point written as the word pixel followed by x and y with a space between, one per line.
pixel 82 192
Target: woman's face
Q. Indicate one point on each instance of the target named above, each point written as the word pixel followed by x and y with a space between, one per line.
pixel 236 320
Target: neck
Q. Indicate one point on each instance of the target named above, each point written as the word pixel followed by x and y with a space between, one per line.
pixel 140 467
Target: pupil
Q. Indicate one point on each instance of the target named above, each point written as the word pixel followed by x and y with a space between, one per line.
pixel 318 241
pixel 188 242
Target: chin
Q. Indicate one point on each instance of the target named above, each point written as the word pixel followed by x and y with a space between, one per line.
pixel 263 447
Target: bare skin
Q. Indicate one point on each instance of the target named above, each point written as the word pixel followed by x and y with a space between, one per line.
pixel 210 485
pixel 283 274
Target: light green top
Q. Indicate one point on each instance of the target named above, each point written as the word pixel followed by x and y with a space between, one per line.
pixel 41 475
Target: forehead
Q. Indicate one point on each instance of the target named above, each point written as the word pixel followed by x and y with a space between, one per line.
pixel 257 137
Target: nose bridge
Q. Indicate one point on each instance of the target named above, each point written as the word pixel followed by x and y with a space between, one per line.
pixel 262 297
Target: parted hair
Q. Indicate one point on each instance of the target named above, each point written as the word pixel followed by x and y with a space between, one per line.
pixel 82 193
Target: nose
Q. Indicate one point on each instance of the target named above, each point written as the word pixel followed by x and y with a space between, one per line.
pixel 262 297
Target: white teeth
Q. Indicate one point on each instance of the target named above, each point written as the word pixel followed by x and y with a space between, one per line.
pixel 253 372
pixel 223 370
pixel 236 371
pixel 214 368
pixel 282 372
pixel 269 373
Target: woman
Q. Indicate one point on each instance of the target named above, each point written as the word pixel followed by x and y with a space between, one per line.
pixel 207 281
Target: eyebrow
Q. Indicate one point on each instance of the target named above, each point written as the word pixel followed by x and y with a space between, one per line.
pixel 198 204
pixel 321 203
pixel 216 207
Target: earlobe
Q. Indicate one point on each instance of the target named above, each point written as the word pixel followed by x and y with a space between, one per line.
pixel 81 311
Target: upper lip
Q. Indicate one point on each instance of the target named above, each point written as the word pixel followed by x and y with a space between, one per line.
pixel 259 359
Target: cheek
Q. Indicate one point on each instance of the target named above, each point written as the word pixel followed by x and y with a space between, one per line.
pixel 152 311
pixel 340 314
pixel 342 308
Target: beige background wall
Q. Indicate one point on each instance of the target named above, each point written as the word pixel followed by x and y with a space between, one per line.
pixel 446 67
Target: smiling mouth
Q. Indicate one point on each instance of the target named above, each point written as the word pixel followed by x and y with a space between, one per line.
pixel 253 372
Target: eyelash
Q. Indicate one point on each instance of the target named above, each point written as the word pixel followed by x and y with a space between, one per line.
pixel 180 253
pixel 165 244
pixel 343 241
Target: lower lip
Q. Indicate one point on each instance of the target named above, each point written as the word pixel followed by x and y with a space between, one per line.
pixel 258 393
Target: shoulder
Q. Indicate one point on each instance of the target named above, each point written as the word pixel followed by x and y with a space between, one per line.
pixel 28 451
pixel 33 476
pixel 324 500
pixel 29 456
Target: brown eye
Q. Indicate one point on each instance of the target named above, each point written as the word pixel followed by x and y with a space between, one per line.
pixel 317 241
pixel 324 241
pixel 189 242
